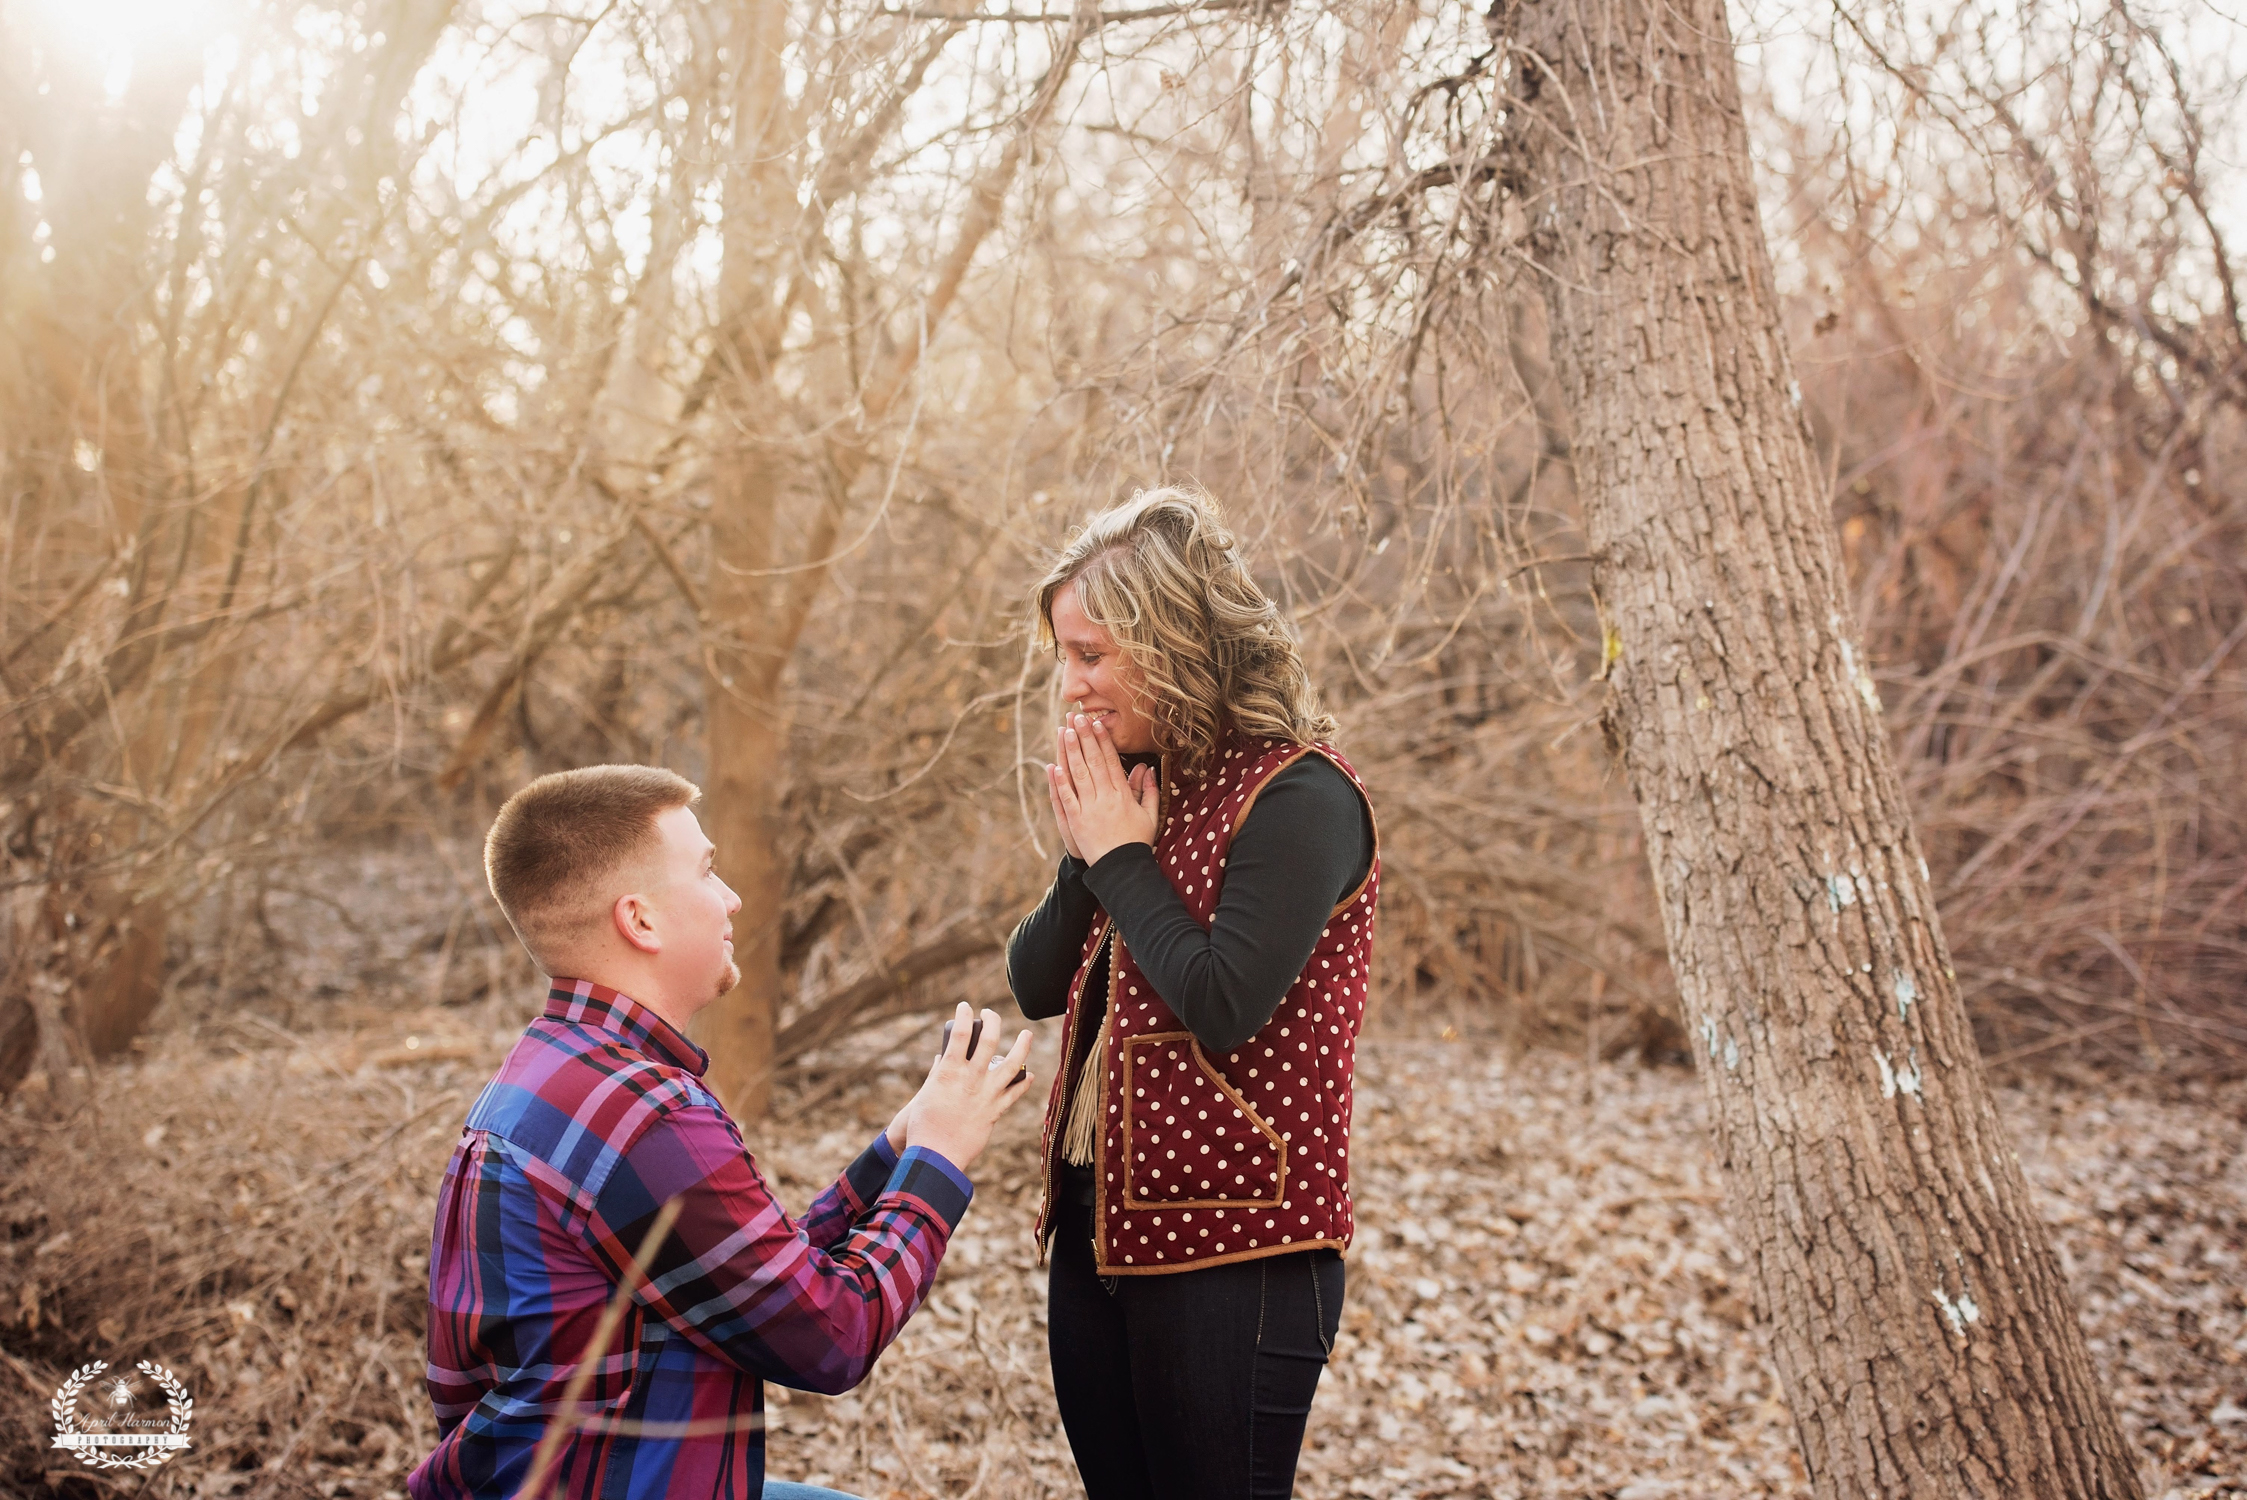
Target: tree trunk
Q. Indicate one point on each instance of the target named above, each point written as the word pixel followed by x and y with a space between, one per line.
pixel 80 374
pixel 114 1004
pixel 1918 1318
pixel 745 653
pixel 79 354
pixel 757 604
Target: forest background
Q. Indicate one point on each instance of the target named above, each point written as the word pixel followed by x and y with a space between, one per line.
pixel 402 399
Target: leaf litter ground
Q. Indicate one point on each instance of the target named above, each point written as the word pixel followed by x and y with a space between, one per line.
pixel 1544 1299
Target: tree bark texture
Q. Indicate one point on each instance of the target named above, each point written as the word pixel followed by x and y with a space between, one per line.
pixel 1918 1318
pixel 747 640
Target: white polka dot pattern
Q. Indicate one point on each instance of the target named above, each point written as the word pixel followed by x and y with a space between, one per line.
pixel 1246 1154
pixel 1221 1154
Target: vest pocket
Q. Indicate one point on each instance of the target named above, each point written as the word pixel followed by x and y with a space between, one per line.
pixel 1190 1140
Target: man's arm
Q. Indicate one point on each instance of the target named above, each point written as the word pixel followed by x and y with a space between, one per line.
pixel 833 1212
pixel 749 1285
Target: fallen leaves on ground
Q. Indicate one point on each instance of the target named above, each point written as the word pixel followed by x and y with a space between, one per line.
pixel 1544 1299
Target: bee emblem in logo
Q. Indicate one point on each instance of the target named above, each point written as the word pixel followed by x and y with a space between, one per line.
pixel 124 1439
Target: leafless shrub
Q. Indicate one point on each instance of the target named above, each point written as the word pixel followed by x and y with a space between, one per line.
pixel 258 1221
pixel 2023 350
pixel 395 481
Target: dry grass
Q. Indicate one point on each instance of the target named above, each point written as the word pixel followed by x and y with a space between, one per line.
pixel 1544 1300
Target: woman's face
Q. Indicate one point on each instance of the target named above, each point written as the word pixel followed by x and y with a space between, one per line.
pixel 1096 679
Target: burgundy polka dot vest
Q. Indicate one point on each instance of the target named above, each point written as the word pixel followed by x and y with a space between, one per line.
pixel 1207 1158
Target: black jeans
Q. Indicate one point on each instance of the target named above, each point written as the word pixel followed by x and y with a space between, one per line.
pixel 1193 1385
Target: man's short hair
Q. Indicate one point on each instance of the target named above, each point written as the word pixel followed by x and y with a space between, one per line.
pixel 554 847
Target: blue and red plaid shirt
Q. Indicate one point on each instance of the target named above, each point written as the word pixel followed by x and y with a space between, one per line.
pixel 598 1117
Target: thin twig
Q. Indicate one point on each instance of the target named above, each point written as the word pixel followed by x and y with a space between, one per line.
pixel 565 1420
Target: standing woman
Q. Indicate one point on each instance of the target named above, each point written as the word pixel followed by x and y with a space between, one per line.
pixel 1207 936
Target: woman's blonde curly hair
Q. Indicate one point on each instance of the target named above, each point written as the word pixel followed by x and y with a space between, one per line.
pixel 1161 575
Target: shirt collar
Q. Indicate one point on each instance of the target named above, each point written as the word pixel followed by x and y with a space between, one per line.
pixel 584 1003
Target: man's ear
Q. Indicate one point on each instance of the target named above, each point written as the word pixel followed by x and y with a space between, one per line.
pixel 635 923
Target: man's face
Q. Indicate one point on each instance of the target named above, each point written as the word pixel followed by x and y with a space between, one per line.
pixel 694 912
pixel 1097 679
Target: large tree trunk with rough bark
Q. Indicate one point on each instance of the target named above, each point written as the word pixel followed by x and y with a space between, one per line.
pixel 1917 1315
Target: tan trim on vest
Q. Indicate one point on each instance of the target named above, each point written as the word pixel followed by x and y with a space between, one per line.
pixel 1373 861
pixel 1262 1252
pixel 1128 1208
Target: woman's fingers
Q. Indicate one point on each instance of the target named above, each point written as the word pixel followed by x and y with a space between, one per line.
pixel 1102 769
pixel 1061 814
pixel 1076 766
pixel 1104 805
pixel 1107 763
pixel 1060 766
pixel 1064 787
pixel 1079 763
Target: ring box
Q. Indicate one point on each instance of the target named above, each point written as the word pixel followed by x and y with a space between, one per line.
pixel 974 1039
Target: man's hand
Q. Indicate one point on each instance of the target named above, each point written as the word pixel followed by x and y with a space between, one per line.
pixel 1102 807
pixel 964 1096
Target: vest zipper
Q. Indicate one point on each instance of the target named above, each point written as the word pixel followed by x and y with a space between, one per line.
pixel 1099 1122
pixel 1069 1093
pixel 1068 1052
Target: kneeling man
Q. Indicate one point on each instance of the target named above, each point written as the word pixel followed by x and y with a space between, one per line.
pixel 597 1119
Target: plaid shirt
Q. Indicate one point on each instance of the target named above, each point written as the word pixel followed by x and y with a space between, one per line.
pixel 596 1118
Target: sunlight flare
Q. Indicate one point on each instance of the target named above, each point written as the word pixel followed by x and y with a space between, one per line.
pixel 105 41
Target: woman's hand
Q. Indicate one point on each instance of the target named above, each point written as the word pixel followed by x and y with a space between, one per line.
pixel 1099 805
pixel 1053 780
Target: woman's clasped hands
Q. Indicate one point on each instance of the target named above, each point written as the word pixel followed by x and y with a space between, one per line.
pixel 1096 803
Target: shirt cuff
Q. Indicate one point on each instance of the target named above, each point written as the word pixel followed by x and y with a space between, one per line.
pixel 869 1175
pixel 924 1175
